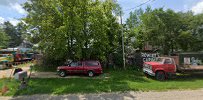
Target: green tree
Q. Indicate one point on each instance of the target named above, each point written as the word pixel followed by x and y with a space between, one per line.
pixel 4 38
pixel 73 29
pixel 15 35
pixel 162 28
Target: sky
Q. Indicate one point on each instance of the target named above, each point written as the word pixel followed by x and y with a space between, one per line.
pixel 11 10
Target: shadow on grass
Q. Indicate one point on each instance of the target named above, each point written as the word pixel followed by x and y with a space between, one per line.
pixel 188 77
pixel 115 81
pixel 181 78
pixel 64 86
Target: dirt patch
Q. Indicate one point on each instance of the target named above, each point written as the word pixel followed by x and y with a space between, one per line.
pixel 55 75
pixel 7 73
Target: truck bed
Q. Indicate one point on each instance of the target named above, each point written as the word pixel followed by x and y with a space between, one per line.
pixel 191 68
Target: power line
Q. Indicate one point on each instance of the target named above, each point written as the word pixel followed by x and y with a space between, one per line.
pixel 123 47
pixel 140 5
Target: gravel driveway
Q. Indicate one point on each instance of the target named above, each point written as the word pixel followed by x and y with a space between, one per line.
pixel 168 95
pixel 6 73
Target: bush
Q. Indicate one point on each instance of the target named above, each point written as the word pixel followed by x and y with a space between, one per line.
pixel 41 68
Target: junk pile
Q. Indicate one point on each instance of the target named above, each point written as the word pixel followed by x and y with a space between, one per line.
pixel 22 76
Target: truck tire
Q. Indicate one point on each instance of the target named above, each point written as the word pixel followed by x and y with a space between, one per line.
pixel 160 75
pixel 146 75
pixel 90 73
pixel 62 73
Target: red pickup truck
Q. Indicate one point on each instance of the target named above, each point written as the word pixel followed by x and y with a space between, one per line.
pixel 90 68
pixel 165 67
pixel 161 68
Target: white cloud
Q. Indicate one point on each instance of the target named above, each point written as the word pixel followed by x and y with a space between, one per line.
pixel 198 8
pixel 18 8
pixel 13 21
pixel 7 2
pixel 2 20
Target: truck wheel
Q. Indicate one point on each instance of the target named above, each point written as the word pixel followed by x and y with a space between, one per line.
pixel 90 73
pixel 160 75
pixel 62 73
pixel 146 75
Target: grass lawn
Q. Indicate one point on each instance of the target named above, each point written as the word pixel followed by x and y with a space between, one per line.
pixel 117 81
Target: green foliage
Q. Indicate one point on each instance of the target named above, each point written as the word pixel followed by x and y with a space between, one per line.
pixel 166 30
pixel 47 68
pixel 73 29
pixel 4 38
pixel 14 32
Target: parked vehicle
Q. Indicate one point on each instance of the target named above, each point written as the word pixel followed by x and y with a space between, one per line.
pixel 18 57
pixel 6 60
pixel 90 68
pixel 165 67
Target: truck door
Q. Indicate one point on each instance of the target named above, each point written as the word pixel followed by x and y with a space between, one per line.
pixel 170 66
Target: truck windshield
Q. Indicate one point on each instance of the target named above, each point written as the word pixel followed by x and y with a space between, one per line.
pixel 159 60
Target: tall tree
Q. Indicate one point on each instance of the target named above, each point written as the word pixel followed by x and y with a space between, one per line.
pixel 4 38
pixel 73 29
pixel 15 36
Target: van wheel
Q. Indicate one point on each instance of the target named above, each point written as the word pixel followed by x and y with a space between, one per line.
pixel 160 76
pixel 90 73
pixel 62 73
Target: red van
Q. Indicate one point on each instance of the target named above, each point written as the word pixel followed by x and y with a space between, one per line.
pixel 89 68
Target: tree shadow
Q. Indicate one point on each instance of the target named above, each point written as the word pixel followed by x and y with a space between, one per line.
pixel 187 77
pixel 108 82
pixel 103 96
pixel 181 78
pixel 112 81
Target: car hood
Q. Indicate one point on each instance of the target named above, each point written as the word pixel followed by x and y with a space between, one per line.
pixel 153 63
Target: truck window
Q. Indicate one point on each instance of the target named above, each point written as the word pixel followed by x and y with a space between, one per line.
pixel 167 61
pixel 160 60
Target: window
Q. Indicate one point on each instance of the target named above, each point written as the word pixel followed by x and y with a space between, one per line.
pixel 79 63
pixel 75 64
pixel 91 63
pixel 160 60
pixel 167 61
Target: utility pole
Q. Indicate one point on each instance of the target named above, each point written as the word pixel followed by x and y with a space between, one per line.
pixel 122 41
